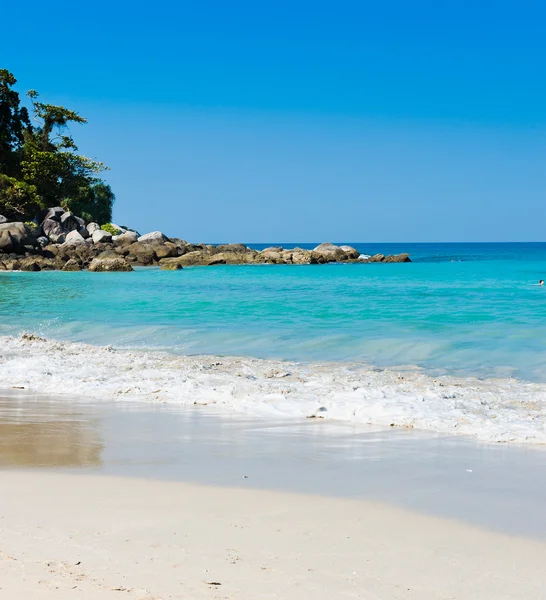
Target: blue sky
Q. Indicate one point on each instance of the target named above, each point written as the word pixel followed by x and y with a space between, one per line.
pixel 303 121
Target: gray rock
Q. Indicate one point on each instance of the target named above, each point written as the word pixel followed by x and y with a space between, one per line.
pixel 52 229
pixel 70 222
pixel 74 238
pixel 126 238
pixel 143 254
pixel 101 236
pixel 14 237
pixel 92 227
pixel 114 263
pixel 54 213
pixel 154 237
pixel 3 219
pixel 42 241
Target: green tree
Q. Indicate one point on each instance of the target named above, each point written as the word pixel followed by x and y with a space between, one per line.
pixel 14 122
pixel 40 165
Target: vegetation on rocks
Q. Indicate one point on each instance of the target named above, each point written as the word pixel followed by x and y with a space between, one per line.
pixel 40 165
pixel 108 227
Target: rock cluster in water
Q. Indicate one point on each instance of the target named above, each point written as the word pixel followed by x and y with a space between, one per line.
pixel 63 241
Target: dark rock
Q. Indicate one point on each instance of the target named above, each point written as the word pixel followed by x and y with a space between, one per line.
pixel 14 237
pixel 53 230
pixel 397 258
pixel 54 214
pixel 72 265
pixel 143 254
pixel 70 223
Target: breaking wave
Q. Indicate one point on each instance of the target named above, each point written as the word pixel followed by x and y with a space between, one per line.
pixel 500 410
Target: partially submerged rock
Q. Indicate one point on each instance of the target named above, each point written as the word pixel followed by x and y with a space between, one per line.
pixel 116 263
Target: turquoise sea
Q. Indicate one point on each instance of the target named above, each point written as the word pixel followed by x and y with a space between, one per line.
pixel 460 309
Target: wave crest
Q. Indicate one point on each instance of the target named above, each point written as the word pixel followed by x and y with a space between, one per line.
pixel 503 410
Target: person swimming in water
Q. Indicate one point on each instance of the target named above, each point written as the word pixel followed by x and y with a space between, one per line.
pixel 541 282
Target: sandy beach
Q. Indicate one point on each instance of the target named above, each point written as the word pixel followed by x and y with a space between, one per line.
pixel 72 536
pixel 151 502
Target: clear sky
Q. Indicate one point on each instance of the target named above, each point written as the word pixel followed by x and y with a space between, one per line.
pixel 302 121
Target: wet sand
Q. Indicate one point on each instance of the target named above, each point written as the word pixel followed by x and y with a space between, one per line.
pixel 165 502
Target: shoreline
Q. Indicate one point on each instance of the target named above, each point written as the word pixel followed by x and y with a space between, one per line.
pixel 452 477
pixel 494 410
pixel 184 540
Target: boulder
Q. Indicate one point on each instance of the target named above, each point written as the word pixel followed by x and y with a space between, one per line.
pixel 72 265
pixel 92 227
pixel 42 241
pixel 99 236
pixel 52 229
pixel 397 258
pixel 153 237
pixel 239 248
pixel 74 238
pixel 143 254
pixel 273 249
pixel 54 214
pixel 3 219
pixel 170 264
pixel 166 250
pixel 16 237
pixel 302 257
pixel 116 263
pixel 70 223
pixel 376 258
pixel 197 257
pixel 330 252
pixel 126 238
pixel 30 263
pixel 350 252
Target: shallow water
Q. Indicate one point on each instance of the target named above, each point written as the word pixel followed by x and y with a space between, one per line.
pixel 461 329
pixel 481 316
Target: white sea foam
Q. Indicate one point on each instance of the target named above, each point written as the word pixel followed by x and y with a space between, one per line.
pixel 504 410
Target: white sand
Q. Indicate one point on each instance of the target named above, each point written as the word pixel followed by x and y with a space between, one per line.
pixel 95 537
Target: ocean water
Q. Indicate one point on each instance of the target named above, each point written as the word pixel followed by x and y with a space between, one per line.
pixel 468 316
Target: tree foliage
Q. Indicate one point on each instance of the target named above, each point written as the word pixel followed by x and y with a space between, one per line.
pixel 40 165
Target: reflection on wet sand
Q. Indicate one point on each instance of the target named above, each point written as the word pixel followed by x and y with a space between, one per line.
pixel 37 434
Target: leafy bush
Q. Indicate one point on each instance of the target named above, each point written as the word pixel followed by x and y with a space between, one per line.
pixel 32 226
pixel 18 200
pixel 111 229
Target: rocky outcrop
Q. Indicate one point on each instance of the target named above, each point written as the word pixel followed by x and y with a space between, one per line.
pixel 65 242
